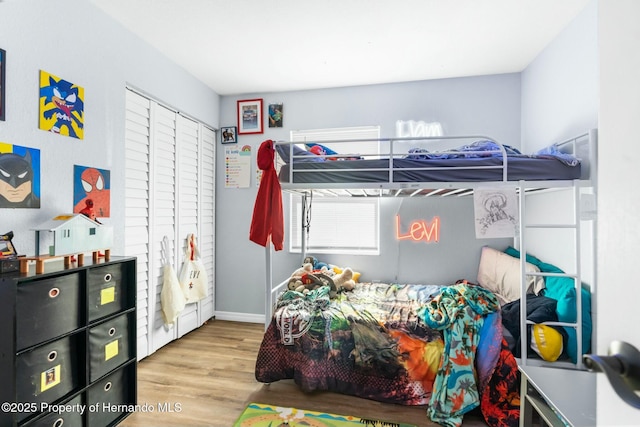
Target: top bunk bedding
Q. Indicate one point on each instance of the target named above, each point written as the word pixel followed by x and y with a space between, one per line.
pixel 476 160
pixel 429 170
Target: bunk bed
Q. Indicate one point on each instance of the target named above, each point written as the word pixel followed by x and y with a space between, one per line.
pixel 388 341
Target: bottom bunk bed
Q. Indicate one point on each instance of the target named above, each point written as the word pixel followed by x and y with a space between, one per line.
pixel 439 346
pixel 450 348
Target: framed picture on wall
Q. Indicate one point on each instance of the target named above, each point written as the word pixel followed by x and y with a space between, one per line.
pixel 250 116
pixel 228 135
pixel 3 67
pixel 275 115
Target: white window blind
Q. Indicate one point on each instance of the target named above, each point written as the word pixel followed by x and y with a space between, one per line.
pixel 320 136
pixel 337 225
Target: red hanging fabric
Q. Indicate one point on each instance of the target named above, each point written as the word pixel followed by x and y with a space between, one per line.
pixel 267 222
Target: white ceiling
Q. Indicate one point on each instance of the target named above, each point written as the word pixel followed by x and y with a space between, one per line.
pixel 248 46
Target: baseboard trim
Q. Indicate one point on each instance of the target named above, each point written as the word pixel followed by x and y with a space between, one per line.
pixel 239 317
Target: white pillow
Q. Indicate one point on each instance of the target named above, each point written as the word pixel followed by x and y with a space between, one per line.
pixel 500 273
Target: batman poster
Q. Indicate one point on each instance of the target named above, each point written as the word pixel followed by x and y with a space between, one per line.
pixel 19 176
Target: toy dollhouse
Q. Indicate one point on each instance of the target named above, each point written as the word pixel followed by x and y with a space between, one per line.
pixel 72 234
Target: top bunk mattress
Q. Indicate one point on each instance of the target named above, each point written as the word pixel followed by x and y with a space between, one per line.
pixel 406 170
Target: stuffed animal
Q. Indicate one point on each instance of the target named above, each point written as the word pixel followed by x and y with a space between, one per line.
pixel 295 281
pixel 306 268
pixel 344 280
pixel 306 278
pixel 338 270
pixel 317 265
pixel 316 280
pixel 336 282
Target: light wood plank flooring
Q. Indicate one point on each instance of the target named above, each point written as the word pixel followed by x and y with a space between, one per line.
pixel 207 378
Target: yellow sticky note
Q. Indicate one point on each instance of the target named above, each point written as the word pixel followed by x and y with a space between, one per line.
pixel 111 350
pixel 50 378
pixel 107 295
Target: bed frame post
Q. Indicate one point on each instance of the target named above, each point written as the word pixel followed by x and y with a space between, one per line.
pixel 524 345
pixel 269 283
pixel 303 228
pixel 577 220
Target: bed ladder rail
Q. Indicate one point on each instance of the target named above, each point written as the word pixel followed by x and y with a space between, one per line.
pixel 574 225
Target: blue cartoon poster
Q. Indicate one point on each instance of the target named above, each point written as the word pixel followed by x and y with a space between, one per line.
pixel 61 106
pixel 19 176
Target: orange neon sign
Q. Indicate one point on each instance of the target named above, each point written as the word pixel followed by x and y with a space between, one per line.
pixel 420 230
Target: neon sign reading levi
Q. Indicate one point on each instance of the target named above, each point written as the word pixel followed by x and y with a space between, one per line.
pixel 420 230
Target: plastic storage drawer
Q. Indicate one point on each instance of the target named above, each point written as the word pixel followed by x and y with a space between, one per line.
pixel 47 308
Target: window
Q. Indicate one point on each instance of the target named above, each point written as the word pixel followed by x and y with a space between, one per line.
pixel 341 134
pixel 336 225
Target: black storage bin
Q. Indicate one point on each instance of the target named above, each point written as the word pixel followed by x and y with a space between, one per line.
pixel 72 418
pixel 49 372
pixel 107 291
pixel 47 308
pixel 110 345
pixel 109 398
pixel 46 357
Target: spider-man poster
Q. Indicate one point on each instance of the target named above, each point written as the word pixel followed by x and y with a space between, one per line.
pixel 91 191
pixel 61 106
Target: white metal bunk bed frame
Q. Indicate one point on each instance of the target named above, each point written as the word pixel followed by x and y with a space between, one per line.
pixel 582 146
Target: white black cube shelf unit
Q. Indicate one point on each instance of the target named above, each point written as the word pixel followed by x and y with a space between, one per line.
pixel 68 336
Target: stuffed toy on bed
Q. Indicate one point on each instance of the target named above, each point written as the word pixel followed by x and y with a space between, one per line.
pixel 295 281
pixel 317 264
pixel 344 280
pixel 305 279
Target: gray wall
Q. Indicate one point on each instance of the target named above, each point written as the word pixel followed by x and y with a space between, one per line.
pixel 560 100
pixel 560 87
pixel 476 105
pixel 92 51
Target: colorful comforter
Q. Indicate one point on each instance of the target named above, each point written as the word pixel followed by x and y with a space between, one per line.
pixel 441 347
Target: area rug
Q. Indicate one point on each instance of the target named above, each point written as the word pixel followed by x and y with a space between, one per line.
pixel 263 415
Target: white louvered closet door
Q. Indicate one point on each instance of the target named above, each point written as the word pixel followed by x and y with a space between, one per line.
pixel 166 196
pixel 188 189
pixel 207 242
pixel 137 198
pixel 162 214
pixel 195 201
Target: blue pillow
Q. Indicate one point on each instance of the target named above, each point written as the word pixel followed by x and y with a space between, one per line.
pixel 562 290
pixel 283 151
pixel 327 150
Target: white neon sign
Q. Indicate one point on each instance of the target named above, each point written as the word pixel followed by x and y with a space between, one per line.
pixel 412 128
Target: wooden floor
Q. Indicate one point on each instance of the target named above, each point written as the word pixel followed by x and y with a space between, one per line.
pixel 207 378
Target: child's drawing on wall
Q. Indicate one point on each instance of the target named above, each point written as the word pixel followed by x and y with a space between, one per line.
pixel 496 212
